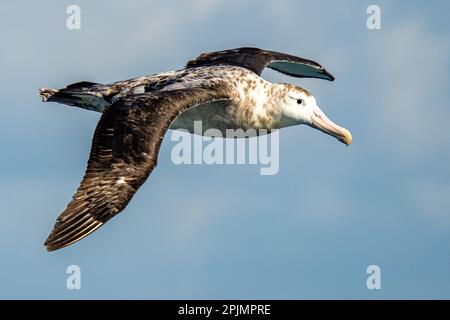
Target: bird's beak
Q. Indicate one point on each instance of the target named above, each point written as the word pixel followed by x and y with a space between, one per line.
pixel 320 121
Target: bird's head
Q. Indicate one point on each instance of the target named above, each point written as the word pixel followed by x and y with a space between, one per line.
pixel 298 106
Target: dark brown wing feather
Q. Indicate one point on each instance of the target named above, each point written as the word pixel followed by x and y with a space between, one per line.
pixel 124 152
pixel 256 60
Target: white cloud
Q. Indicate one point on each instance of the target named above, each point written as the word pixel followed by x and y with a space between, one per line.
pixel 432 200
pixel 324 203
pixel 410 66
pixel 189 215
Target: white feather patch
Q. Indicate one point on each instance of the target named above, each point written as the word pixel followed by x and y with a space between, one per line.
pixel 121 181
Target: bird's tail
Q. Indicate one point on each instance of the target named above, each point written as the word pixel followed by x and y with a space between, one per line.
pixel 47 94
pixel 85 95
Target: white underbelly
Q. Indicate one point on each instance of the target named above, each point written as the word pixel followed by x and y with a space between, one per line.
pixel 201 119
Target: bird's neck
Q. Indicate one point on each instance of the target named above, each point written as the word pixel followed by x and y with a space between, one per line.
pixel 273 96
pixel 265 112
pixel 259 104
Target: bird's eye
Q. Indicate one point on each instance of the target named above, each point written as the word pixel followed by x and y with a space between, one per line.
pixel 299 101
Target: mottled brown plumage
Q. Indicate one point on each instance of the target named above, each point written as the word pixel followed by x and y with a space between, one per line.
pixel 256 60
pixel 222 89
pixel 123 154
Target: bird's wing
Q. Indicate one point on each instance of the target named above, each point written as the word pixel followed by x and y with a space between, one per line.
pixel 256 60
pixel 124 152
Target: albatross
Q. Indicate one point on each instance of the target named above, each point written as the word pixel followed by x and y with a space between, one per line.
pixel 222 89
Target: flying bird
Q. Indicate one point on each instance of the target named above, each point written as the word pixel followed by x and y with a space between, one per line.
pixel 223 89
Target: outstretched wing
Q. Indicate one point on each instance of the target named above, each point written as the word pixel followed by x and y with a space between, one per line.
pixel 256 60
pixel 123 154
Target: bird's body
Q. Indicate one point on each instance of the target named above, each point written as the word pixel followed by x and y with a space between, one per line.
pixel 252 107
pixel 221 89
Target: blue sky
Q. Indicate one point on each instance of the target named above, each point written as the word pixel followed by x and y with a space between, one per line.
pixel 199 231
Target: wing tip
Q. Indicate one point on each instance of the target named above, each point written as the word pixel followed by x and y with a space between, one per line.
pixel 56 240
pixel 330 77
pixel 50 245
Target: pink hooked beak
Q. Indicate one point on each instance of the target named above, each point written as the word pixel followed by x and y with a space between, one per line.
pixel 320 121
